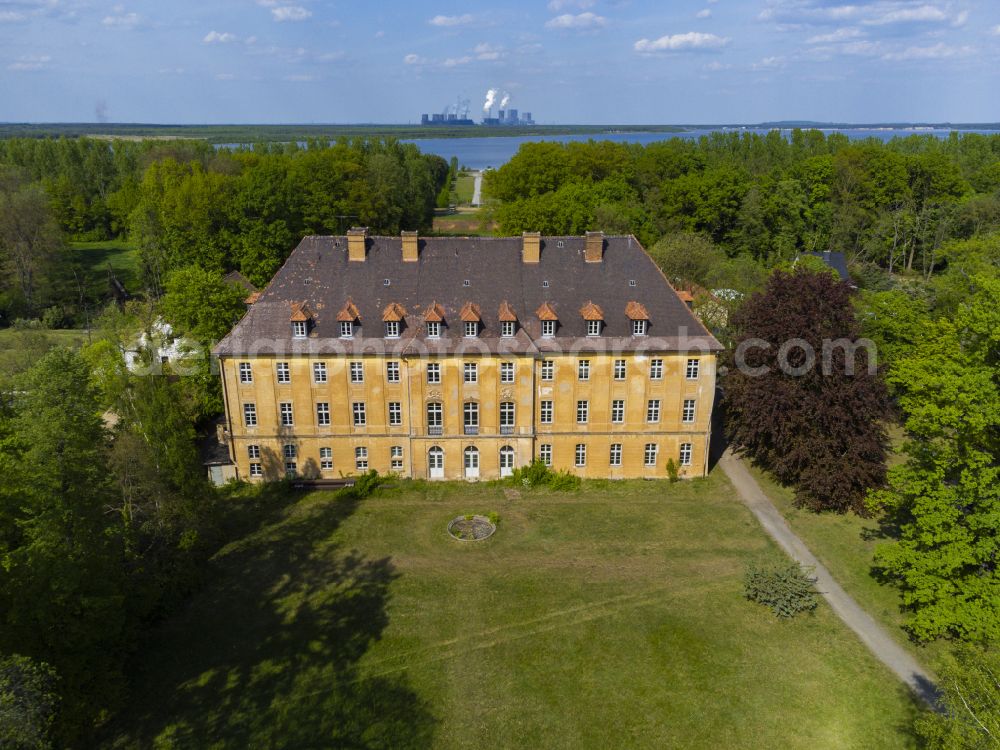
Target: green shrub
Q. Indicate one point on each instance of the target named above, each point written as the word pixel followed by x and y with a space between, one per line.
pixel 494 518
pixel 537 474
pixel 672 471
pixel 786 589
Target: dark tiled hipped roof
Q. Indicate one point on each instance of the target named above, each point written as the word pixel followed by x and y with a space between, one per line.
pixel 456 274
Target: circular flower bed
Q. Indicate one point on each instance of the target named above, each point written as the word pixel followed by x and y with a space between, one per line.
pixel 471 528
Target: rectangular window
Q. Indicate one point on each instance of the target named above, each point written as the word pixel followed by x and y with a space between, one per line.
pixel 433 330
pixel 548 369
pixel 656 369
pixel 395 414
pixel 507 328
pixel 581 454
pixel 687 416
pixel 506 372
pixel 256 470
pixel 357 372
pixel 319 372
pixel 593 328
pixel 346 329
pixel 685 454
pixel 290 451
pixel 619 369
pixel 583 369
pixel 471 372
pixel 693 368
pixel 299 329
pixel 396 458
pixel 545 454
pixel 392 372
pixel 433 372
pixel 471 329
pixel 548 328
pixel 638 327
pixel 285 408
pixel 470 413
pixel 323 414
pixel 250 415
pixel 506 415
pixel 649 455
pixel 284 372
pixel 326 459
pixel 253 452
pixel 360 416
pixel 246 372
pixel 361 459
pixel 653 411
pixel 392 329
pixel 618 411
pixel 545 416
pixel 291 468
pixel 582 412
pixel 616 454
pixel 434 418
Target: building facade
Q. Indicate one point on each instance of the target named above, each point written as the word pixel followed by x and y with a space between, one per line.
pixel 465 358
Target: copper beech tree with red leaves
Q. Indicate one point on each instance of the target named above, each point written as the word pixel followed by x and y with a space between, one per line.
pixel 794 403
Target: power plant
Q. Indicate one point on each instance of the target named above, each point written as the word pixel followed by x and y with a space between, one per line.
pixel 496 112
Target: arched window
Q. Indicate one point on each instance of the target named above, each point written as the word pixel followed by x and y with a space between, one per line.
pixel 435 462
pixel 471 455
pixel 506 461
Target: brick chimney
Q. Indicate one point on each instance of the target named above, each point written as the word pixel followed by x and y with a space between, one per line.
pixel 357 243
pixel 594 251
pixel 531 250
pixel 411 247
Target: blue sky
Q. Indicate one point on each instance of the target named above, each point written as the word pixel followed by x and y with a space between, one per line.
pixel 581 61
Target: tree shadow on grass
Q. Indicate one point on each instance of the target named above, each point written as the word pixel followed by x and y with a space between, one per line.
pixel 265 656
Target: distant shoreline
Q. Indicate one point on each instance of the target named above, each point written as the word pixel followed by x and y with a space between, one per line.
pixel 257 133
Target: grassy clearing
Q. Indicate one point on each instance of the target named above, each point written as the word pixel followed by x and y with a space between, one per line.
pixel 463 223
pixel 464 188
pixel 613 617
pixel 845 544
pixel 95 258
pixel 21 348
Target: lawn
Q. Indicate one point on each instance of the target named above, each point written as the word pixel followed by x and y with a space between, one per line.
pixel 463 223
pixel 95 258
pixel 845 544
pixel 612 617
pixel 464 188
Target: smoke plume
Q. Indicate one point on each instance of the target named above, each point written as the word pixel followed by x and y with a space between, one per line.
pixel 503 102
pixel 491 97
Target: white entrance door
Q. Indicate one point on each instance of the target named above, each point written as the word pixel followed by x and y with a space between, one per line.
pixel 506 461
pixel 435 462
pixel 471 463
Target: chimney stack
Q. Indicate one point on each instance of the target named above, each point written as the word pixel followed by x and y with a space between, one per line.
pixel 411 247
pixel 357 243
pixel 594 252
pixel 531 250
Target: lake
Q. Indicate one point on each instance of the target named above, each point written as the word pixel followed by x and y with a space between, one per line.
pixel 480 153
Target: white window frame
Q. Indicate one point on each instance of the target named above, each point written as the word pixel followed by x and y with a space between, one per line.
pixel 323 414
pixel 653 411
pixel 346 329
pixel 287 413
pixel 289 450
pixel 470 372
pixel 506 372
pixel 580 455
pixel 693 369
pixel 326 459
pixel 620 369
pixel 361 458
pixel 433 329
pixel 253 452
pixel 688 411
pixel 615 455
pixel 291 468
pixel 548 329
pixel 548 370
pixel 639 327
pixel 299 329
pixel 246 372
pixel 582 412
pixel 649 454
pixel 283 373
pixel 583 369
pixel 507 328
pixel 357 372
pixel 470 414
pixel 392 372
pixel 545 453
pixel 471 329
pixel 656 369
pixel 618 411
pixel 395 413
pixel 396 458
pixel 433 373
pixel 256 470
pixel 359 414
pixel 508 413
pixel 392 329
pixel 435 414
pixel 319 373
pixel 249 415
pixel 593 327
pixel 685 454
pixel 545 412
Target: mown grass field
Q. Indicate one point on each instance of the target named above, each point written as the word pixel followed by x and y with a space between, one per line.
pixel 613 617
pixel 95 258
pixel 465 185
pixel 463 223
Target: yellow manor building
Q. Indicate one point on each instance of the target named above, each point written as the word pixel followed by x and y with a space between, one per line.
pixel 452 358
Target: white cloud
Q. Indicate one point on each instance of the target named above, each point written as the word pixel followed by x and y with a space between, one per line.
pixel 122 21
pixel 290 13
pixel 12 16
pixel 922 13
pixel 299 77
pixel 557 5
pixel 840 35
pixel 225 77
pixel 995 31
pixel 692 40
pixel 486 51
pixel 704 13
pixel 412 59
pixel 789 13
pixel 960 19
pixel 29 63
pixel 769 63
pixel 939 51
pixel 379 34
pixel 461 20
pixel 453 62
pixel 715 65
pixel 585 20
pixel 223 37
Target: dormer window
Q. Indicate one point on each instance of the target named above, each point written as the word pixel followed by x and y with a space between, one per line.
pixel 593 328
pixel 298 329
pixel 392 329
pixel 347 317
pixel 508 319
pixel 594 316
pixel 300 320
pixel 548 328
pixel 346 329
pixel 639 327
pixel 548 318
pixel 471 329
pixel 393 317
pixel 636 312
pixel 471 319
pixel 507 328
pixel 433 330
